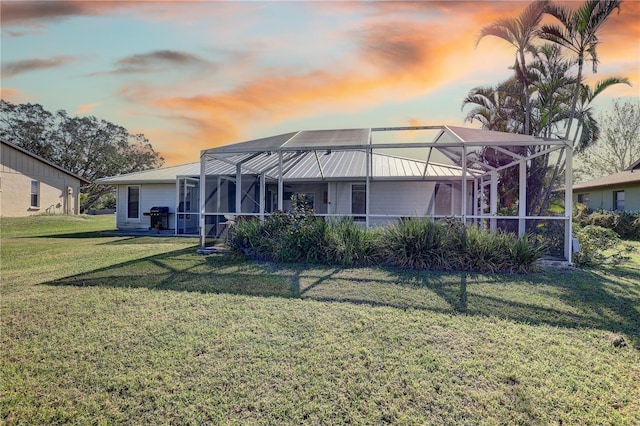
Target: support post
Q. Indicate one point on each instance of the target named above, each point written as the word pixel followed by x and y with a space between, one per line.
pixel 238 190
pixel 367 193
pixel 262 195
pixel 522 199
pixel 280 183
pixel 203 198
pixel 463 188
pixel 493 201
pixel 568 204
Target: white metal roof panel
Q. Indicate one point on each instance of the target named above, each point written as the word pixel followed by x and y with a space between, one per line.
pixel 164 175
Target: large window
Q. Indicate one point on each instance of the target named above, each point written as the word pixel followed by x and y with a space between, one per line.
pixel 618 200
pixel 35 193
pixel 443 199
pixel 133 202
pixel 358 202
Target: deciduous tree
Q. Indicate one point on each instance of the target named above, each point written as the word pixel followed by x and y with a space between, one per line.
pixel 87 146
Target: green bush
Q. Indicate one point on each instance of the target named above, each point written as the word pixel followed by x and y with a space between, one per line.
pixel 625 224
pixel 417 243
pixel 348 243
pixel 599 246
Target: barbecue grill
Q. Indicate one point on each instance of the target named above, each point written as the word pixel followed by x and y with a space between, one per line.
pixel 158 218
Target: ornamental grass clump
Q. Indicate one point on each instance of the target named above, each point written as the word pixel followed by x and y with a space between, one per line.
pixel 348 243
pixel 416 243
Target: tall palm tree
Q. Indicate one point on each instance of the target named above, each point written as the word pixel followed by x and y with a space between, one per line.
pixel 519 32
pixel 553 84
pixel 579 33
pixel 587 126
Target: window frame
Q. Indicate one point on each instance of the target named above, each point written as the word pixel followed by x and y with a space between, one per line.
pixel 359 217
pixel 35 194
pixel 128 210
pixel 618 204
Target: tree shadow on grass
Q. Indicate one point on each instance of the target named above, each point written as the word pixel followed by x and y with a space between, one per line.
pixel 606 300
pixel 600 299
pixel 183 270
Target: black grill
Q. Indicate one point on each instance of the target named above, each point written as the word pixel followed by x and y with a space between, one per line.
pixel 159 218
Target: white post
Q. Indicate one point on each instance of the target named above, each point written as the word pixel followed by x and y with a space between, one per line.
pixel 238 190
pixel 463 189
pixel 367 193
pixel 568 204
pixel 262 195
pixel 280 184
pixel 203 197
pixel 522 198
pixel 493 201
pixel 175 219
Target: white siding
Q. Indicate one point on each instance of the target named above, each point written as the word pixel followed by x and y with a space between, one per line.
pixel 151 195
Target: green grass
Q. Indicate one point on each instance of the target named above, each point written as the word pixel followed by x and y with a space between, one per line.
pixel 100 329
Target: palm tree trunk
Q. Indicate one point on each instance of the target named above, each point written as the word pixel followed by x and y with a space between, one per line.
pixel 576 93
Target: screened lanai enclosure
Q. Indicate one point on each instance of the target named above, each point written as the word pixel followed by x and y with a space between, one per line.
pixel 381 175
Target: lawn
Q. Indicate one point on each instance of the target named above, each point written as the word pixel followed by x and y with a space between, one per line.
pixel 99 329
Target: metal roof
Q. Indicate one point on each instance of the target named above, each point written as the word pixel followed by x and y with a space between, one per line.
pixel 456 145
pixel 341 153
pixel 165 175
pixel 309 165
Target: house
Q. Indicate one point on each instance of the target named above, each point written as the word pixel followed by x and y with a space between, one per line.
pixel 374 175
pixel 31 185
pixel 616 192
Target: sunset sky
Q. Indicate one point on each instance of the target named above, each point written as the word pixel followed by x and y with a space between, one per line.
pixel 194 75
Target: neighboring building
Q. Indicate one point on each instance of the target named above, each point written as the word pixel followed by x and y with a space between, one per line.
pixel 31 185
pixel 616 192
pixel 376 176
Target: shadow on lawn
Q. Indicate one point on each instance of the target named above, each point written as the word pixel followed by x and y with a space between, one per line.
pixel 183 270
pixel 605 300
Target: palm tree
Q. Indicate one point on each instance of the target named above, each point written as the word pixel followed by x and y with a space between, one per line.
pixel 553 87
pixel 497 108
pixel 579 34
pixel 587 126
pixel 519 32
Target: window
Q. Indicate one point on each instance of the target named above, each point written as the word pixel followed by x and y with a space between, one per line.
pixel 618 200
pixel 584 199
pixel 133 202
pixel 443 199
pixel 358 202
pixel 35 193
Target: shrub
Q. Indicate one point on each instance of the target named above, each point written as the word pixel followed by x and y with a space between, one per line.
pixel 599 246
pixel 625 224
pixel 416 243
pixel 348 243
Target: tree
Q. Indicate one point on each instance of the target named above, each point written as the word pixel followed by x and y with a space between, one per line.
pixel 579 34
pixel 519 32
pixel 619 145
pixel 497 108
pixel 86 146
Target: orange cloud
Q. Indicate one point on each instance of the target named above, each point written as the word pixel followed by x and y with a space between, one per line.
pixel 86 108
pixel 403 52
pixel 14 96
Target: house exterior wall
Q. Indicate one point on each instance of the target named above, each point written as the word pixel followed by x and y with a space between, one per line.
pixel 400 198
pixel 602 198
pixel 57 191
pixel 151 195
